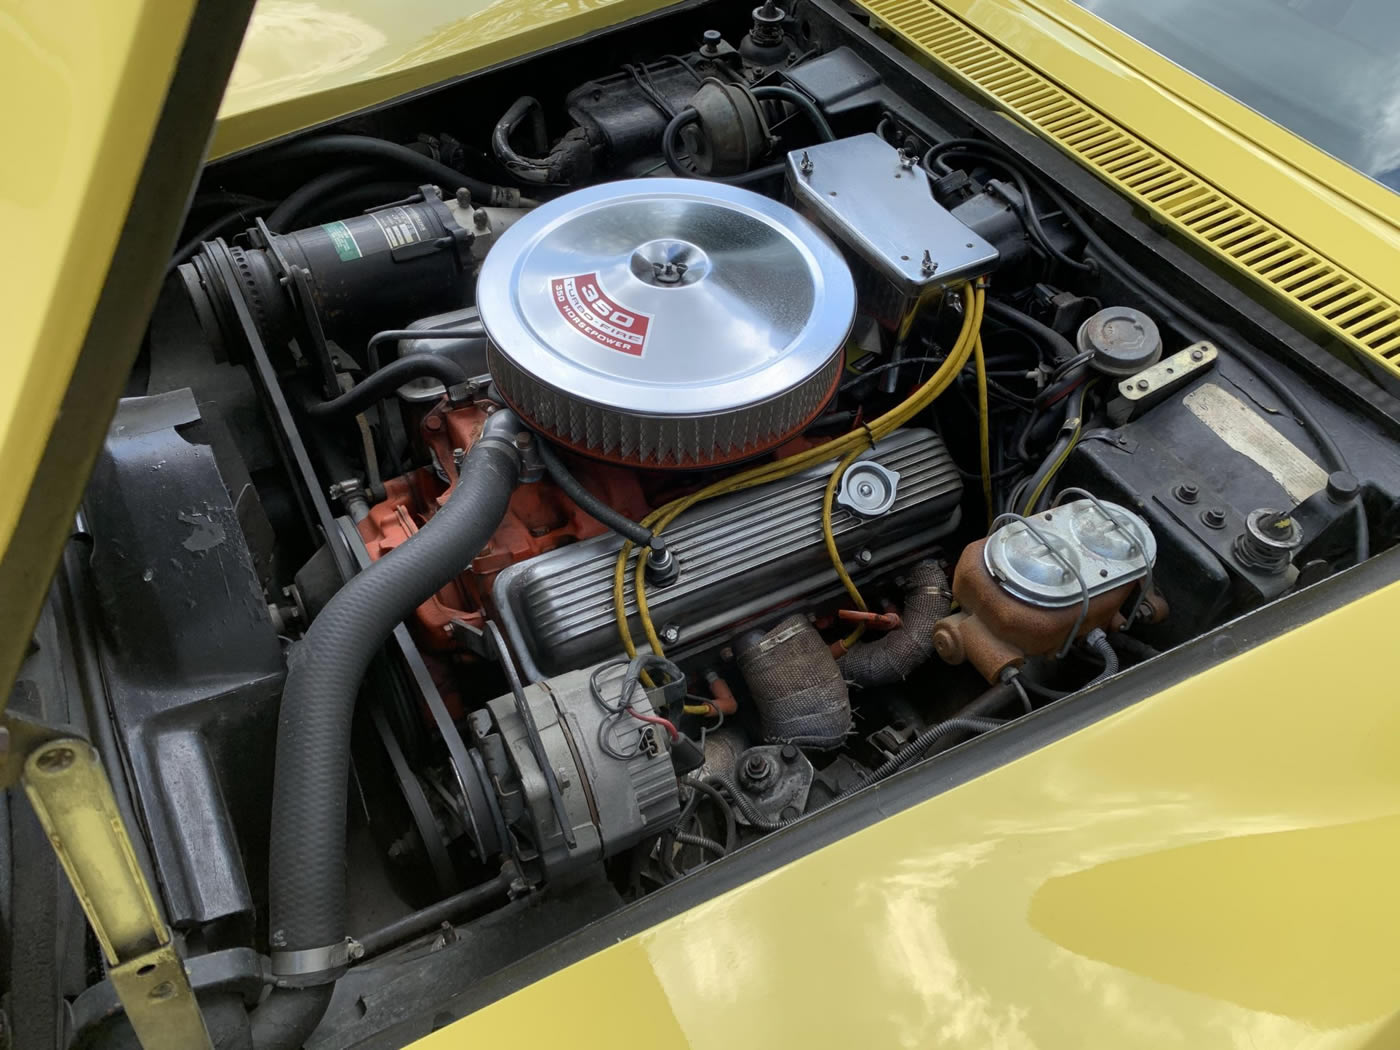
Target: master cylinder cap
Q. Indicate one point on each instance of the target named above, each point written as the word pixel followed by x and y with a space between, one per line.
pixel 1124 341
pixel 666 322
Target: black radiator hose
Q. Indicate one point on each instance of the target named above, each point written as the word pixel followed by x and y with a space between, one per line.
pixel 306 883
pixel 891 659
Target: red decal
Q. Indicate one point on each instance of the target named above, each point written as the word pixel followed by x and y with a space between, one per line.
pixel 584 305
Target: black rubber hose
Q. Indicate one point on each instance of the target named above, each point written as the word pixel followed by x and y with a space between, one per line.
pixel 386 380
pixel 893 657
pixel 393 335
pixel 802 102
pixel 306 881
pixel 336 146
pixel 1061 349
pixel 593 506
pixel 527 169
pixel 318 189
pixel 288 1016
pixel 1133 649
pixel 430 918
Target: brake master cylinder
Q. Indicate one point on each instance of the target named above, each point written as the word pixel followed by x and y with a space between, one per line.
pixel 1036 584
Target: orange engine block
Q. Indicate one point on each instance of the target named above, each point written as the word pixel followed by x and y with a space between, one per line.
pixel 539 518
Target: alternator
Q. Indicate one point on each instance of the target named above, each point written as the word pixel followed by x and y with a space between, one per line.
pixel 601 784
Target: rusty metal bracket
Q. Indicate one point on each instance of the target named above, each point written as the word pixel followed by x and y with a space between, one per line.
pixel 73 799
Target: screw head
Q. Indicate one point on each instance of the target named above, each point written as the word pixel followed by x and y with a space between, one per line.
pixel 1143 384
pixel 1187 492
pixel 1213 517
pixel 1198 355
pixel 789 753
pixel 865 556
pixel 670 634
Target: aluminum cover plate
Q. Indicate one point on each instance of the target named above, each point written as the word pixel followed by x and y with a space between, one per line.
pixel 859 190
pixel 741 556
pixel 756 302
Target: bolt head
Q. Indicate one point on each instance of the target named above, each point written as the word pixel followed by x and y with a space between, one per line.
pixel 1198 355
pixel 789 753
pixel 670 634
pixel 1213 517
pixel 1187 492
pixel 1342 486
pixel 865 556
pixel 1143 384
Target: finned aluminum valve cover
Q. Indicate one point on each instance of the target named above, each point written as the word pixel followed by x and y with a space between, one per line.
pixel 666 322
pixel 751 554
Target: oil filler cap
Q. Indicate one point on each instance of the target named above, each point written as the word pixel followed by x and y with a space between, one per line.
pixel 1123 341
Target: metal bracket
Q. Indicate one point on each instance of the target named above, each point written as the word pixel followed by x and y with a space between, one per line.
pixel 73 801
pixel 1137 393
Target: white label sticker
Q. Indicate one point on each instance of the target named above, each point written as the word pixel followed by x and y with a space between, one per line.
pixel 1249 434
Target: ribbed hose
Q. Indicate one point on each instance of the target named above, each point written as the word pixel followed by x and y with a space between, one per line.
pixel 894 657
pixel 306 888
pixel 386 380
pixel 1098 641
pixel 288 1016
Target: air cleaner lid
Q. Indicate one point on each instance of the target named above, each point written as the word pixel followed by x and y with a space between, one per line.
pixel 667 298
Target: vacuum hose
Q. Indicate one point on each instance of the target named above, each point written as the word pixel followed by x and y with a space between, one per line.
pixel 386 380
pixel 894 657
pixel 306 884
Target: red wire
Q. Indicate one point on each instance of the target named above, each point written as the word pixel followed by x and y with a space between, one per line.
pixel 656 720
pixel 1063 394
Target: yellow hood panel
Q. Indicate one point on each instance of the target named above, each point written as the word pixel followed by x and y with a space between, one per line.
pixel 305 63
pixel 1212 867
pixel 82 95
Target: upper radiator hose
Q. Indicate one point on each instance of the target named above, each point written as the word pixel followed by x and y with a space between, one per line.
pixel 307 871
pixel 893 658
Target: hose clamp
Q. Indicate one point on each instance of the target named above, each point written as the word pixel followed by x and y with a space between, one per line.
pixel 310 966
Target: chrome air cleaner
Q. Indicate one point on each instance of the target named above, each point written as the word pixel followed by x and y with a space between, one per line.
pixel 666 323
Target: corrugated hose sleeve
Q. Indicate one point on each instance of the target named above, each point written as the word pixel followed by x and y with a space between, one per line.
pixel 892 658
pixel 307 869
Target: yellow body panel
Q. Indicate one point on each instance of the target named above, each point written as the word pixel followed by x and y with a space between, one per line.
pixel 1212 867
pixel 1330 206
pixel 307 63
pixel 82 91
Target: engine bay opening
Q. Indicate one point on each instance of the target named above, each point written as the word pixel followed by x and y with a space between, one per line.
pixel 621 456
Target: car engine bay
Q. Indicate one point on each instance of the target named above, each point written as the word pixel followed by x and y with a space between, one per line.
pixel 536 491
